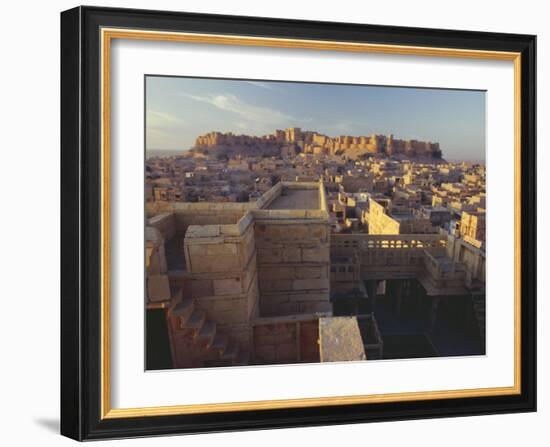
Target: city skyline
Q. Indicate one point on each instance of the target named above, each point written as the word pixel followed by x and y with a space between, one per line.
pixel 454 118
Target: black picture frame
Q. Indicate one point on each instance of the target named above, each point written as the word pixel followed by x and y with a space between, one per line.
pixel 81 223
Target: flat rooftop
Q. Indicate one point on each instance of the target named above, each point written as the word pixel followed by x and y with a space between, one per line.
pixel 296 199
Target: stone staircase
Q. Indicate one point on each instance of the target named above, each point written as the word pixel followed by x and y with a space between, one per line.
pixel 478 303
pixel 205 331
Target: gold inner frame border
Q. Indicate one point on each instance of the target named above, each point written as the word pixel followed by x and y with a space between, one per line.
pixel 107 35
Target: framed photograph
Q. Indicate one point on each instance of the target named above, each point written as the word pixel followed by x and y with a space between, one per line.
pixel 277 223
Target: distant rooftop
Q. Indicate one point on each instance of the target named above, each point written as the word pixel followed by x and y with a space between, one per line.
pixel 399 216
pixel 296 199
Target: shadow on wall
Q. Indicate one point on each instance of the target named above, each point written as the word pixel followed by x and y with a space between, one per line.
pixel 49 424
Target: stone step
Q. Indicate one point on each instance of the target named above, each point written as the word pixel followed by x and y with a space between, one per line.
pixel 195 320
pixel 231 352
pixel 183 309
pixel 207 333
pixel 176 298
pixel 177 295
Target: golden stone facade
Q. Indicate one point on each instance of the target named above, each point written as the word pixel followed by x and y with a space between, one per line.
pixel 310 142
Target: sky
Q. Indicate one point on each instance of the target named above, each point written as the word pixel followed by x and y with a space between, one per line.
pixel 179 109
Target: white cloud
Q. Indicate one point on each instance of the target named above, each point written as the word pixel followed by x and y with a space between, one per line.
pixel 160 120
pixel 257 114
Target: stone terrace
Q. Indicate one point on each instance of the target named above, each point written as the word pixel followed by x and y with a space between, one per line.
pixel 296 199
pixel 240 263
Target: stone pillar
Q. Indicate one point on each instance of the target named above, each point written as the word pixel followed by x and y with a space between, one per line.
pixel 371 286
pixel 433 313
pixel 399 297
pixel 418 292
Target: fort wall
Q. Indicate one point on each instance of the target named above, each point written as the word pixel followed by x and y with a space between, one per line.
pixel 315 143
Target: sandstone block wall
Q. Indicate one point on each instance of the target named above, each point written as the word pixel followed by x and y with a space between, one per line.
pixel 293 259
pixel 186 218
pixel 215 248
pixel 222 276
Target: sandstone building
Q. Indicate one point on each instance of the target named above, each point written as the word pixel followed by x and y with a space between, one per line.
pixel 294 140
pixel 266 282
pixel 242 283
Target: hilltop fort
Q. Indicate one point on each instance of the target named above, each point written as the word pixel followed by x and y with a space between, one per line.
pixel 292 141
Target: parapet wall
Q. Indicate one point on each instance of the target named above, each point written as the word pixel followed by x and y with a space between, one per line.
pixel 165 223
pixel 154 208
pixel 269 196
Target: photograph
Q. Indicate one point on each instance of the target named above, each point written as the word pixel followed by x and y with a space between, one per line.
pixel 272 222
pixel 295 222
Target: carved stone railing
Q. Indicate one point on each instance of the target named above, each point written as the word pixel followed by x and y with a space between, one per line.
pixel 364 242
pixel 395 256
pixel 404 253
